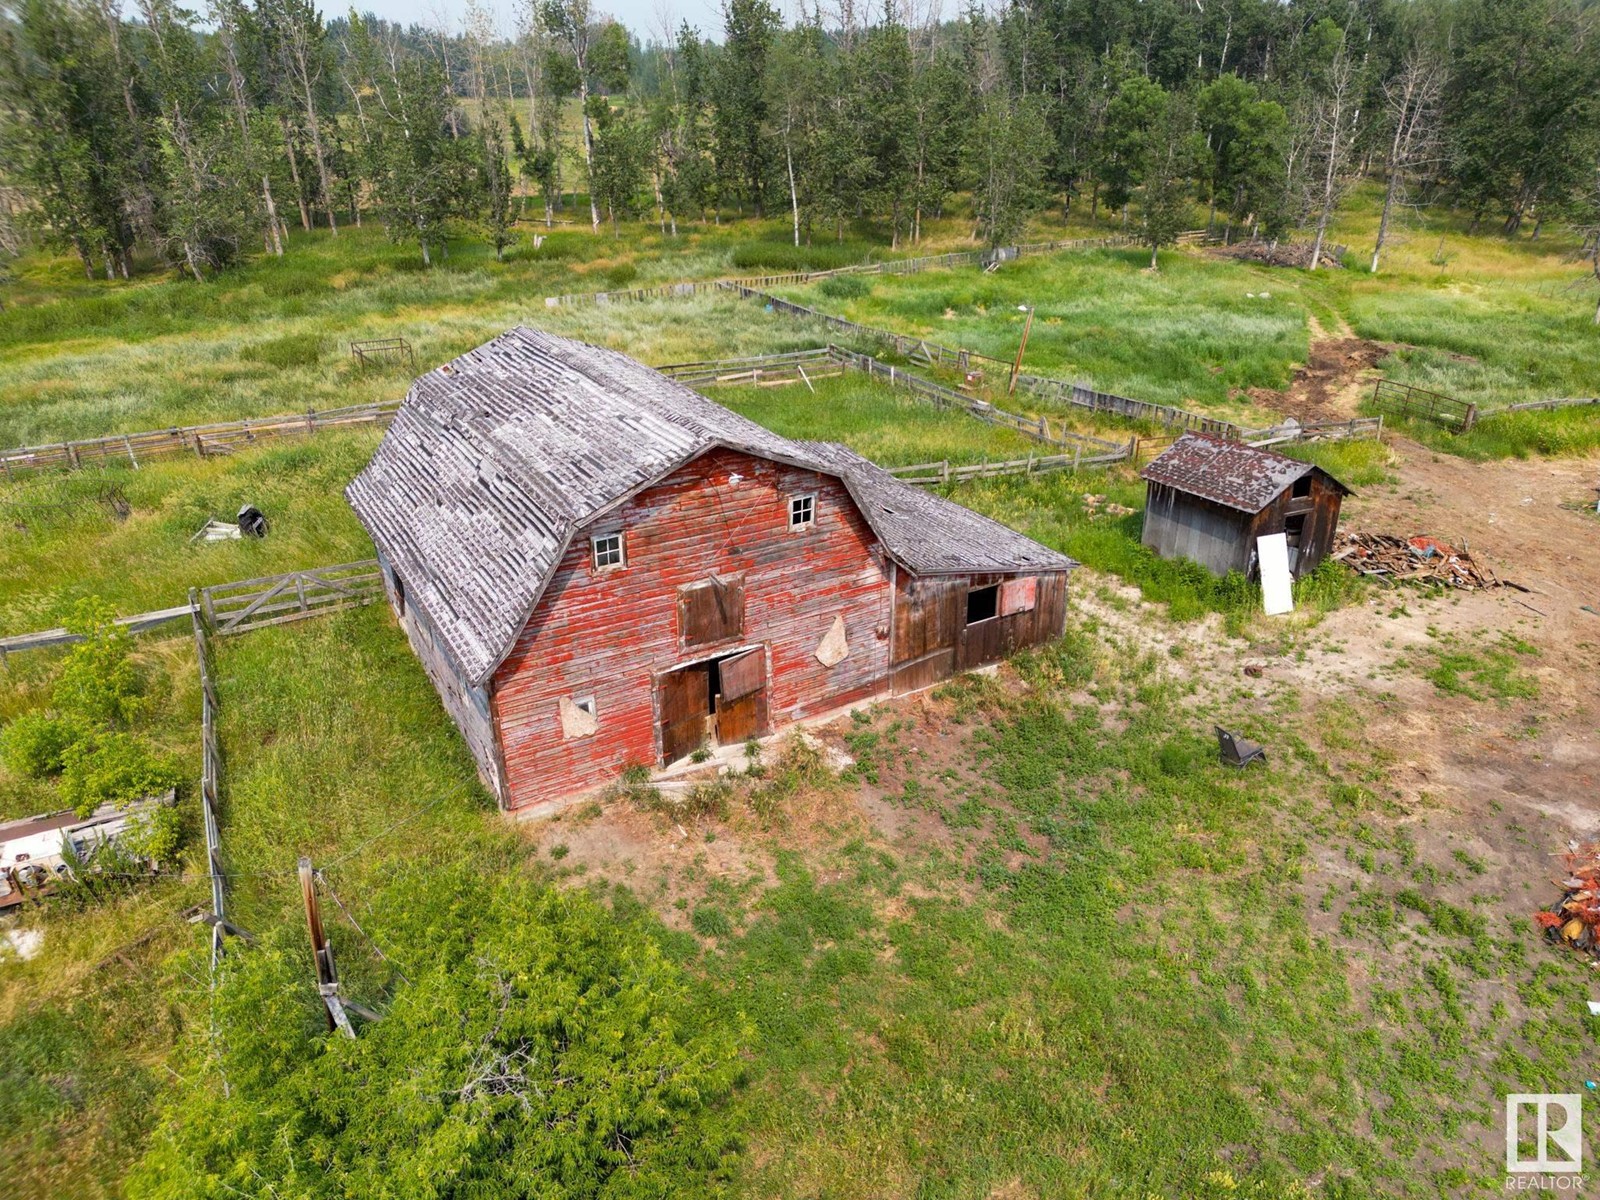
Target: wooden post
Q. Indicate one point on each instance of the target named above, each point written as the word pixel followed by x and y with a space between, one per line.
pixel 1016 367
pixel 128 445
pixel 322 953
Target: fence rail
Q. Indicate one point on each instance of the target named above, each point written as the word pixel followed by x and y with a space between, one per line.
pixel 1540 405
pixel 210 781
pixel 1081 395
pixel 1037 428
pixel 247 604
pixel 219 438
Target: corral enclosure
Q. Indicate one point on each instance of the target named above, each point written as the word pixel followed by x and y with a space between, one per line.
pixel 1011 900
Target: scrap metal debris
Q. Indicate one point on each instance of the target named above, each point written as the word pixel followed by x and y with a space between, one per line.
pixel 1416 559
pixel 250 524
pixel 1575 921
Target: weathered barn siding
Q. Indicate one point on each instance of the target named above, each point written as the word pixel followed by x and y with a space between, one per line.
pixel 1321 512
pixel 1222 539
pixel 611 633
pixel 1178 525
pixel 468 706
pixel 932 639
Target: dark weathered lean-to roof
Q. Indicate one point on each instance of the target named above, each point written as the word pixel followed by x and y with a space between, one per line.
pixel 927 533
pixel 497 459
pixel 1228 473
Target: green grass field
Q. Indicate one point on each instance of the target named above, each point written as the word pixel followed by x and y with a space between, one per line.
pixel 1096 976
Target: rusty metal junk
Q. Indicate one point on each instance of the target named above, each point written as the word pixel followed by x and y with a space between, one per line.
pixel 1575 921
pixel 1420 559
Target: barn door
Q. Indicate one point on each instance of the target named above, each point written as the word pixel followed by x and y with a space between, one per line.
pixel 685 710
pixel 742 698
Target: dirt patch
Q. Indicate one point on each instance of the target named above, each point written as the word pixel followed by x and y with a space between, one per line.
pixel 1330 385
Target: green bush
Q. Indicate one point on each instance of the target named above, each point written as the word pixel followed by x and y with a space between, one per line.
pixel 98 685
pixel 113 768
pixel 539 1043
pixel 154 835
pixel 621 275
pixel 34 743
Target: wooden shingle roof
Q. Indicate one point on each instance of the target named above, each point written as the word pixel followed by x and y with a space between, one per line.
pixel 496 460
pixel 1232 474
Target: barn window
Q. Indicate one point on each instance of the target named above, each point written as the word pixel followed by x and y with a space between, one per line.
pixel 607 549
pixel 399 594
pixel 1294 528
pixel 1302 486
pixel 983 604
pixel 802 511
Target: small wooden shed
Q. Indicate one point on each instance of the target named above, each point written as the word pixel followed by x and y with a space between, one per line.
pixel 1208 499
pixel 599 567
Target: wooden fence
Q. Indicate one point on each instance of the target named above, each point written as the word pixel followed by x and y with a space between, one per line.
pixel 1081 395
pixel 210 782
pixel 1037 428
pixel 797 366
pixel 1407 400
pixel 1540 405
pixel 138 623
pixel 230 608
pixel 220 438
pixel 933 354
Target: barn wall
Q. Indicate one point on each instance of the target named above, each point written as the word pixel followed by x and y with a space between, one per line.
pixel 1178 525
pixel 469 707
pixel 609 633
pixel 1321 509
pixel 932 640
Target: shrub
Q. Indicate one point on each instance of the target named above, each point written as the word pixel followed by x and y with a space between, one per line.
pixel 621 275
pixel 154 835
pixel 113 768
pixel 34 743
pixel 538 1040
pixel 98 685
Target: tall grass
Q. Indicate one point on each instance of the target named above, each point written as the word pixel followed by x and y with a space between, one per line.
pixel 124 534
pixel 888 425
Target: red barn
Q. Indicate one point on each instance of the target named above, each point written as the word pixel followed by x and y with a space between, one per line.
pixel 599 567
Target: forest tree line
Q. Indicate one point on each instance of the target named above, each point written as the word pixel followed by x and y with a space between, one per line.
pixel 199 140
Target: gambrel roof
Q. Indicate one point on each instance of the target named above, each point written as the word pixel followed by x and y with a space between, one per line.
pixel 496 460
pixel 1232 474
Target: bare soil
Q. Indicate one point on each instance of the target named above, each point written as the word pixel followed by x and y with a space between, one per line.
pixel 1329 387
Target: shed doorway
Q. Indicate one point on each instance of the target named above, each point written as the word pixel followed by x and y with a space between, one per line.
pixel 718 701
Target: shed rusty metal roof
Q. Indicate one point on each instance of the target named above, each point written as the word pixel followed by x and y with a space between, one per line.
pixel 1233 474
pixel 497 460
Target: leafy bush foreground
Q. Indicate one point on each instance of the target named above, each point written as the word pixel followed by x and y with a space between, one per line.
pixel 534 1042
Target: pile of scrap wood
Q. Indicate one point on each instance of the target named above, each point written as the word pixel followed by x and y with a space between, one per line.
pixel 1416 559
pixel 1576 920
pixel 1281 254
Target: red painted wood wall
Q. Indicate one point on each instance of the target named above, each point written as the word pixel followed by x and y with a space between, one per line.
pixel 608 633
